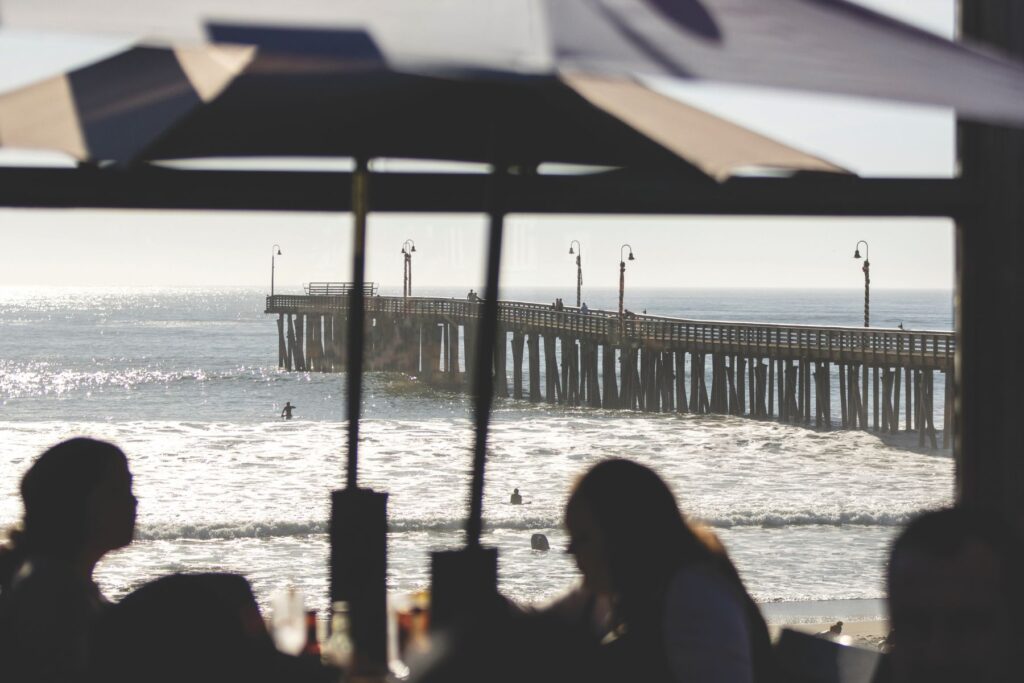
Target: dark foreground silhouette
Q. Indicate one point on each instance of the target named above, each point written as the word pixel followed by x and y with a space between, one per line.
pixel 193 627
pixel 78 506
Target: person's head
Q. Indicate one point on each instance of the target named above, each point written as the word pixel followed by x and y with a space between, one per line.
pixel 626 529
pixel 515 491
pixel 78 504
pixel 955 597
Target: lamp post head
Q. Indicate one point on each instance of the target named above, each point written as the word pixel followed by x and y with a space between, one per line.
pixel 631 256
pixel 571 250
pixel 413 248
pixel 278 252
pixel 856 253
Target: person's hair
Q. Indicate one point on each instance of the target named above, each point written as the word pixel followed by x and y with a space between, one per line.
pixel 56 493
pixel 945 533
pixel 646 541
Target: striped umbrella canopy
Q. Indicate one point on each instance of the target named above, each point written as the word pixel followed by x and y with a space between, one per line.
pixel 309 93
pixel 114 108
pixel 818 45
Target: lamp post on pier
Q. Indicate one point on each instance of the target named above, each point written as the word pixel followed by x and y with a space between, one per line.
pixel 579 269
pixel 622 274
pixel 867 277
pixel 408 247
pixel 274 251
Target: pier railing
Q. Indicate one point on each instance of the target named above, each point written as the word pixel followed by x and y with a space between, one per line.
pixel 929 349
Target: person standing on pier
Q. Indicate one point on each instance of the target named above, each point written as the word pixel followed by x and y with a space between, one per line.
pixel 286 412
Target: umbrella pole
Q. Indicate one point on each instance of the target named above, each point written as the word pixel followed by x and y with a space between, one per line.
pixel 358 528
pixel 463 581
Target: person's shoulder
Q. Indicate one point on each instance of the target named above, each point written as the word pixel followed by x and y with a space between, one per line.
pixel 42 591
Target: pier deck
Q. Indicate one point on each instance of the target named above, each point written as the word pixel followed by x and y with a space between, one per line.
pixel 642 362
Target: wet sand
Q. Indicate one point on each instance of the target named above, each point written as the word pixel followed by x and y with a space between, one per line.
pixel 865 622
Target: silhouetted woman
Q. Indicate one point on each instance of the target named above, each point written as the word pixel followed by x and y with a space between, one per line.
pixel 78 506
pixel 679 611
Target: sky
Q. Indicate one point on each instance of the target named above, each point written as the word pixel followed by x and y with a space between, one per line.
pixel 134 248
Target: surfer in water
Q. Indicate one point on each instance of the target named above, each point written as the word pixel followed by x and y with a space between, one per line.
pixel 516 498
pixel 286 412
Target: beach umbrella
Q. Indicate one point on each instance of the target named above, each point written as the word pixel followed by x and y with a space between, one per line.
pixel 114 108
pixel 817 45
pixel 341 100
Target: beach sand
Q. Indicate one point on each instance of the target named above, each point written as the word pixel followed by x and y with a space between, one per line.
pixel 865 622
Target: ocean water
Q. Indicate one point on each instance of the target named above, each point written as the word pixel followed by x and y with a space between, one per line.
pixel 186 382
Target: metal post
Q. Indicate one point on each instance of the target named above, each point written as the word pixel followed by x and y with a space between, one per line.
pixel 358 529
pixel 579 280
pixel 622 284
pixel 579 269
pixel 866 268
pixel 276 249
pixel 867 291
pixel 466 581
pixel 622 277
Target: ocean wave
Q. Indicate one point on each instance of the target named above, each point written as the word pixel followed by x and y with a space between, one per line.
pixel 284 529
pixel 777 520
pixel 279 529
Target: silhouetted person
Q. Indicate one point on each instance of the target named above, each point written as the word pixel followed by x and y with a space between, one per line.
pixel 901 325
pixel 286 412
pixel 680 611
pixel 201 628
pixel 955 596
pixel 78 506
pixel 516 499
pixel 584 309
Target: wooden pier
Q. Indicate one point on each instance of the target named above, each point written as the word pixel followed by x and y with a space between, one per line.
pixel 873 379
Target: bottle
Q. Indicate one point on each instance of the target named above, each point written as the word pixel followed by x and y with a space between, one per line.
pixel 312 648
pixel 337 651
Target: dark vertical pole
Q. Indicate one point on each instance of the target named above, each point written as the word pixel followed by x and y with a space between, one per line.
pixel 483 381
pixel 990 248
pixel 579 277
pixel 358 527
pixel 357 318
pixel 466 581
pixel 867 289
pixel 622 287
